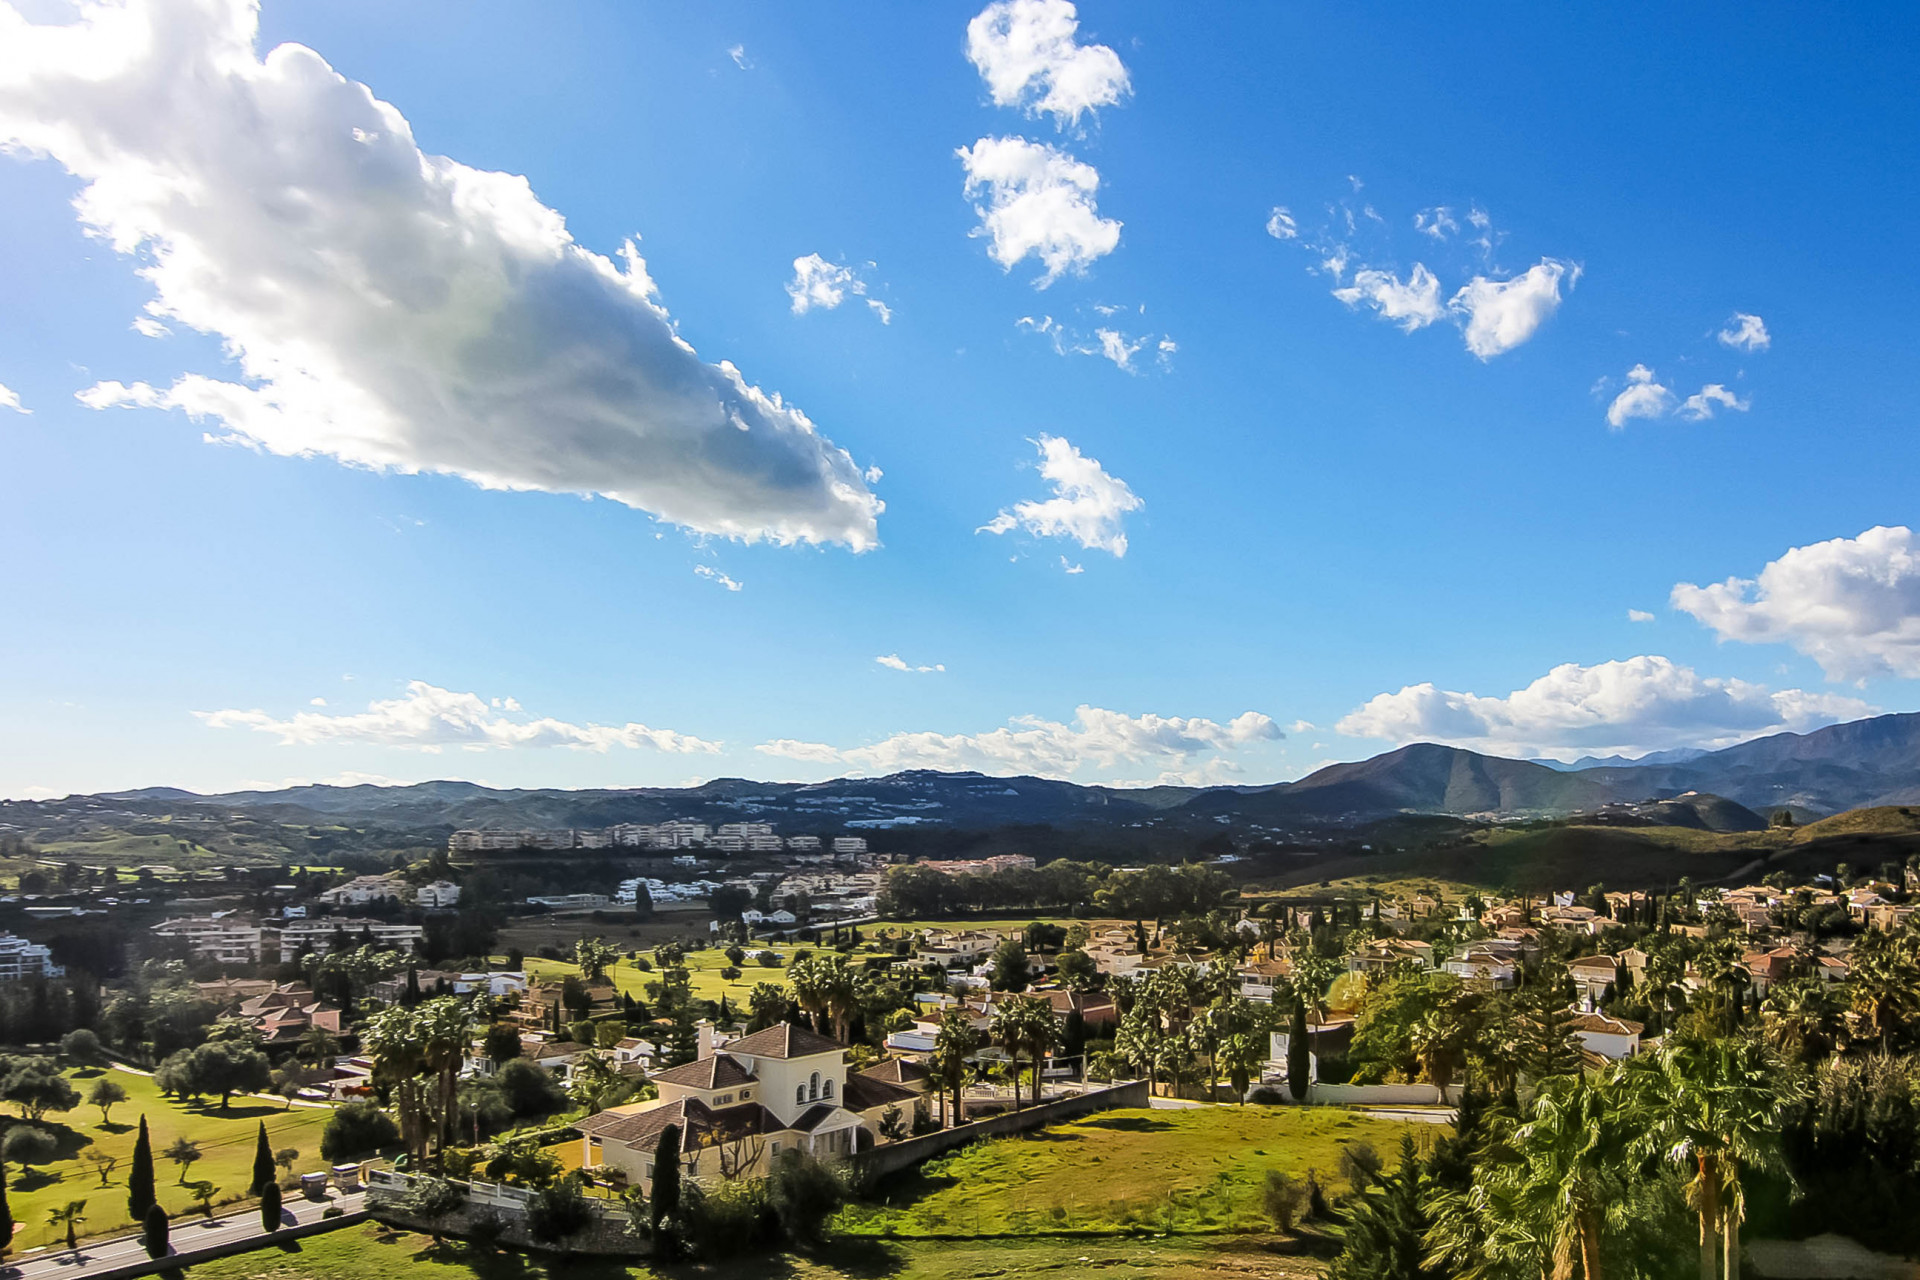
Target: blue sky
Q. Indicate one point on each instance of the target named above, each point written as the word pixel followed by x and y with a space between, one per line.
pixel 1287 529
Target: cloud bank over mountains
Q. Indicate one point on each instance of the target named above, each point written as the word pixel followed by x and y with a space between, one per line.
pixel 386 307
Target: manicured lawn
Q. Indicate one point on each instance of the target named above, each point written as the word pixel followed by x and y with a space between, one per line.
pixel 226 1155
pixel 702 966
pixel 373 1253
pixel 1197 1170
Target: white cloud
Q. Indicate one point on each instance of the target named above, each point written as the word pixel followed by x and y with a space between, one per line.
pixel 1639 615
pixel 429 718
pixel 1096 738
pixel 1109 344
pixel 1700 404
pixel 1303 726
pixel 1640 704
pixel 825 285
pixel 1281 226
pixel 316 702
pixel 1502 314
pixel 148 327
pixel 715 576
pixel 898 663
pixel 1069 568
pixel 1850 604
pixel 1038 201
pixel 389 308
pixel 1643 397
pixel 1412 305
pixel 1746 333
pixel 1027 53
pixel 738 53
pixel 1437 222
pixel 10 399
pixel 1088 505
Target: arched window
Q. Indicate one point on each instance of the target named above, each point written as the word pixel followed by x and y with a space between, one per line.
pixel 799 1093
pixel 826 1091
pixel 813 1086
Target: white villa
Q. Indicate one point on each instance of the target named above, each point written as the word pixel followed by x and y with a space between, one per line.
pixel 740 1106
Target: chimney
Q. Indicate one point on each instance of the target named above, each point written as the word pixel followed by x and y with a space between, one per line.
pixel 705 1030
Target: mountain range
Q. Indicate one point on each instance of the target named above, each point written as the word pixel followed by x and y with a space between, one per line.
pixel 1843 766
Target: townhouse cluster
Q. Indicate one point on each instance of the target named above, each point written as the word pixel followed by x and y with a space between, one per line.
pixel 727 837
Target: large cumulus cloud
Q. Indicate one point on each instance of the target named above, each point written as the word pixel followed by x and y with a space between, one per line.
pixel 387 307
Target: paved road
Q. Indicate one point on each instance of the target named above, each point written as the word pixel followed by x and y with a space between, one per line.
pixel 95 1256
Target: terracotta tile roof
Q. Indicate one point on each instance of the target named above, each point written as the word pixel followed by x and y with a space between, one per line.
pixel 863 1093
pixel 700 1124
pixel 1601 1023
pixel 783 1040
pixel 717 1072
pixel 896 1071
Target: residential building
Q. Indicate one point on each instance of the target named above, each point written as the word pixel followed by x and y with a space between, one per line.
pixel 1385 953
pixel 223 938
pixel 804 844
pixel 571 901
pixel 361 890
pixel 1480 964
pixel 1592 976
pixel 849 844
pixel 284 1014
pixel 1610 1038
pixel 438 896
pixel 22 959
pixel 319 934
pixel 745 830
pixel 1257 977
pixel 740 1106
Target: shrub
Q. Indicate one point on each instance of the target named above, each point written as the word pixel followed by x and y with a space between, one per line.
pixel 732 1219
pixel 1360 1165
pixel 529 1090
pixel 730 974
pixel 1283 1199
pixel 27 1146
pixel 356 1131
pixel 270 1207
pixel 558 1213
pixel 804 1193
pixel 333 1211
pixel 433 1198
pixel 1266 1096
pixel 154 1232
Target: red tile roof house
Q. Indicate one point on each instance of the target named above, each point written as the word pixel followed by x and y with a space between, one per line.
pixel 740 1106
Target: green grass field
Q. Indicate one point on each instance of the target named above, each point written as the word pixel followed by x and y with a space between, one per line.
pixel 1183 1171
pixel 702 966
pixel 226 1144
pixel 374 1253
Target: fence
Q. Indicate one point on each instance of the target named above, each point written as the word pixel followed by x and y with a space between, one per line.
pixel 1376 1095
pixel 878 1162
pixel 504 1211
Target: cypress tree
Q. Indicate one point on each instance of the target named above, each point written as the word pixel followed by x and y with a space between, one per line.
pixel 263 1165
pixel 666 1188
pixel 153 1231
pixel 140 1176
pixel 270 1207
pixel 6 1213
pixel 1298 1066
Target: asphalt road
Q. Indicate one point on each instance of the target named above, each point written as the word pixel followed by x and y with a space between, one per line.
pixel 98 1257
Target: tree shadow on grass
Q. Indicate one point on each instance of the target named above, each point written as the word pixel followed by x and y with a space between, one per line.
pixel 114 1126
pixel 34 1179
pixel 236 1111
pixel 1127 1124
pixel 511 1264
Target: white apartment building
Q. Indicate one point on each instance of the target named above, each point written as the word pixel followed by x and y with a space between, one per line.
pixel 804 844
pixel 744 830
pixel 318 934
pixel 592 840
pixel 223 938
pixel 727 844
pixel 439 895
pixel 633 835
pixel 765 844
pixel 849 844
pixel 361 890
pixel 473 841
pixel 681 835
pixel 571 901
pixel 22 959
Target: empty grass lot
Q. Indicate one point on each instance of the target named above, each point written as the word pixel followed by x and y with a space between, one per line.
pixel 1181 1171
pixel 226 1147
pixel 374 1253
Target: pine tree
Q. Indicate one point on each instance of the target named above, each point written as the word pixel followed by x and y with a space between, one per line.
pixel 270 1207
pixel 1299 1068
pixel 1386 1231
pixel 263 1165
pixel 140 1176
pixel 153 1231
pixel 6 1213
pixel 1547 1046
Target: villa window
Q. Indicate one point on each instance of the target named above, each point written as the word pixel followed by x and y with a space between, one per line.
pixel 722 1100
pixel 799 1093
pixel 826 1091
pixel 813 1087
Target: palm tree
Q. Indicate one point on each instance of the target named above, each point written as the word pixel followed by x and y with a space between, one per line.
pixel 1039 1035
pixel 954 1043
pixel 1883 974
pixel 1009 1030
pixel 1564 1174
pixel 393 1037
pixel 812 980
pixel 1715 1108
pixel 70 1215
pixel 445 1036
pixel 1804 1018
pixel 595 956
pixel 317 1047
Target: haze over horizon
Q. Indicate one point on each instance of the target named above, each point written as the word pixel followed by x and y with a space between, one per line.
pixel 628 397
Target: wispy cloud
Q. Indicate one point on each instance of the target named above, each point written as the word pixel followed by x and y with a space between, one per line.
pixel 1088 504
pixel 713 575
pixel 895 662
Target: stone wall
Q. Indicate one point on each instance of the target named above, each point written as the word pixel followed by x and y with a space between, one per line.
pixel 507 1207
